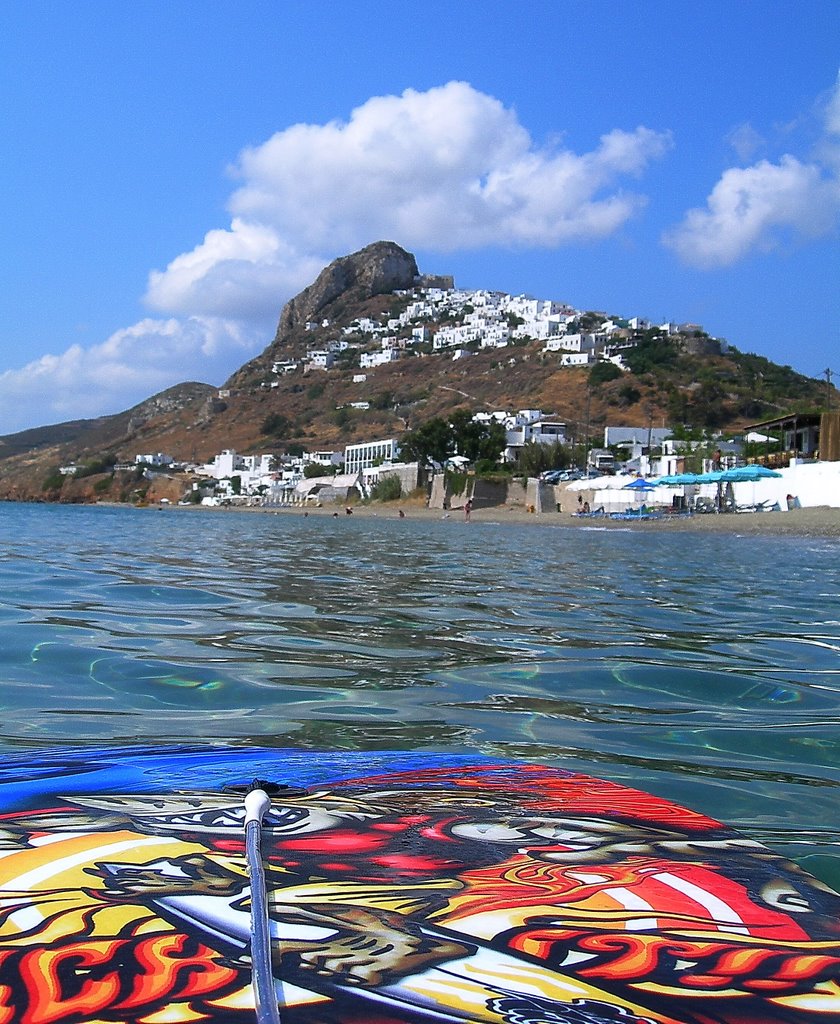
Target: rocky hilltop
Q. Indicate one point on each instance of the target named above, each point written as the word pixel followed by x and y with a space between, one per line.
pixel 375 270
pixel 341 288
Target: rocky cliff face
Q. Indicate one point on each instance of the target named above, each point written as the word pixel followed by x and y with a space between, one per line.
pixel 375 270
pixel 170 401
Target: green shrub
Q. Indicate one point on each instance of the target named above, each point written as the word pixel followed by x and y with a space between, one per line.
pixel 275 425
pixel 315 469
pixel 387 488
pixel 103 465
pixel 497 475
pixel 455 481
pixel 488 469
pixel 53 481
pixel 603 372
pixel 535 458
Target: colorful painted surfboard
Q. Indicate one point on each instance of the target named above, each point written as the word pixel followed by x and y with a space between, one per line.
pixel 403 887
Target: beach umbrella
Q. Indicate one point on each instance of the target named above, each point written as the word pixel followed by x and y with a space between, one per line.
pixel 685 479
pixel 748 474
pixel 640 485
pixel 677 479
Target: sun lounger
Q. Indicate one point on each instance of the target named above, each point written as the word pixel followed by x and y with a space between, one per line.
pixel 760 506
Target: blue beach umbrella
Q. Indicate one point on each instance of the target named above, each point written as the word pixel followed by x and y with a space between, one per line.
pixel 677 479
pixel 682 480
pixel 748 474
pixel 639 485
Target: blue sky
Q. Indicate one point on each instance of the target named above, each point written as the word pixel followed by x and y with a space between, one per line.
pixel 171 173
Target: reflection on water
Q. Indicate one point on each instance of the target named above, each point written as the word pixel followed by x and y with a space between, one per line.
pixel 701 667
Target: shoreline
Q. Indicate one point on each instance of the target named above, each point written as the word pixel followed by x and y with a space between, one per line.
pixel 821 521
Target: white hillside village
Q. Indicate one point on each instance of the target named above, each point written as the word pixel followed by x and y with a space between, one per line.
pixel 460 321
pixel 442 320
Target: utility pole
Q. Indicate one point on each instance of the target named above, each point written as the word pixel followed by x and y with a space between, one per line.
pixel 828 375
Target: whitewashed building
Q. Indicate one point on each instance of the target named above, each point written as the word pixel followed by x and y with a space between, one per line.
pixel 320 359
pixel 362 456
pixel 156 459
pixel 368 360
pixel 578 359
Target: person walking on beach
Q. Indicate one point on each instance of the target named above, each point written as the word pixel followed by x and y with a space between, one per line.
pixel 467 509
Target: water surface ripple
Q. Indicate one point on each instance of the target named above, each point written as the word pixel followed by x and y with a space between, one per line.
pixel 704 668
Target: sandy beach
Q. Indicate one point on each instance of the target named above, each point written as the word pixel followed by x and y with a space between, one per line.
pixel 801 522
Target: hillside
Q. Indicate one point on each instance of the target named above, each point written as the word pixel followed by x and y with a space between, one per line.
pixel 266 406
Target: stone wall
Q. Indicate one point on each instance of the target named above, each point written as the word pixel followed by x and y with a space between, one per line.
pixel 408 475
pixel 531 494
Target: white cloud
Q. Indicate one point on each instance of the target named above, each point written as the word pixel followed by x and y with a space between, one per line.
pixel 755 208
pixel 749 207
pixel 246 271
pixel 131 365
pixel 450 168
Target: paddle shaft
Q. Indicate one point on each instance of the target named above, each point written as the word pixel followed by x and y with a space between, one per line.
pixel 265 996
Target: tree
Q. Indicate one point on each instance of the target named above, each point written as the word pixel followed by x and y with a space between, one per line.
pixel 438 439
pixel 382 400
pixel 535 458
pixel 628 394
pixel 651 354
pixel 313 469
pixel 477 440
pixel 433 442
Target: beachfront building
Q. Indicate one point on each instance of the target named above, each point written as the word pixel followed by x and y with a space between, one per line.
pixel 370 453
pixel 527 426
pixel 636 444
pixel 647 437
pixel 799 436
pixel 252 470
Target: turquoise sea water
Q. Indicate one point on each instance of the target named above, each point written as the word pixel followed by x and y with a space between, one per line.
pixel 703 668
